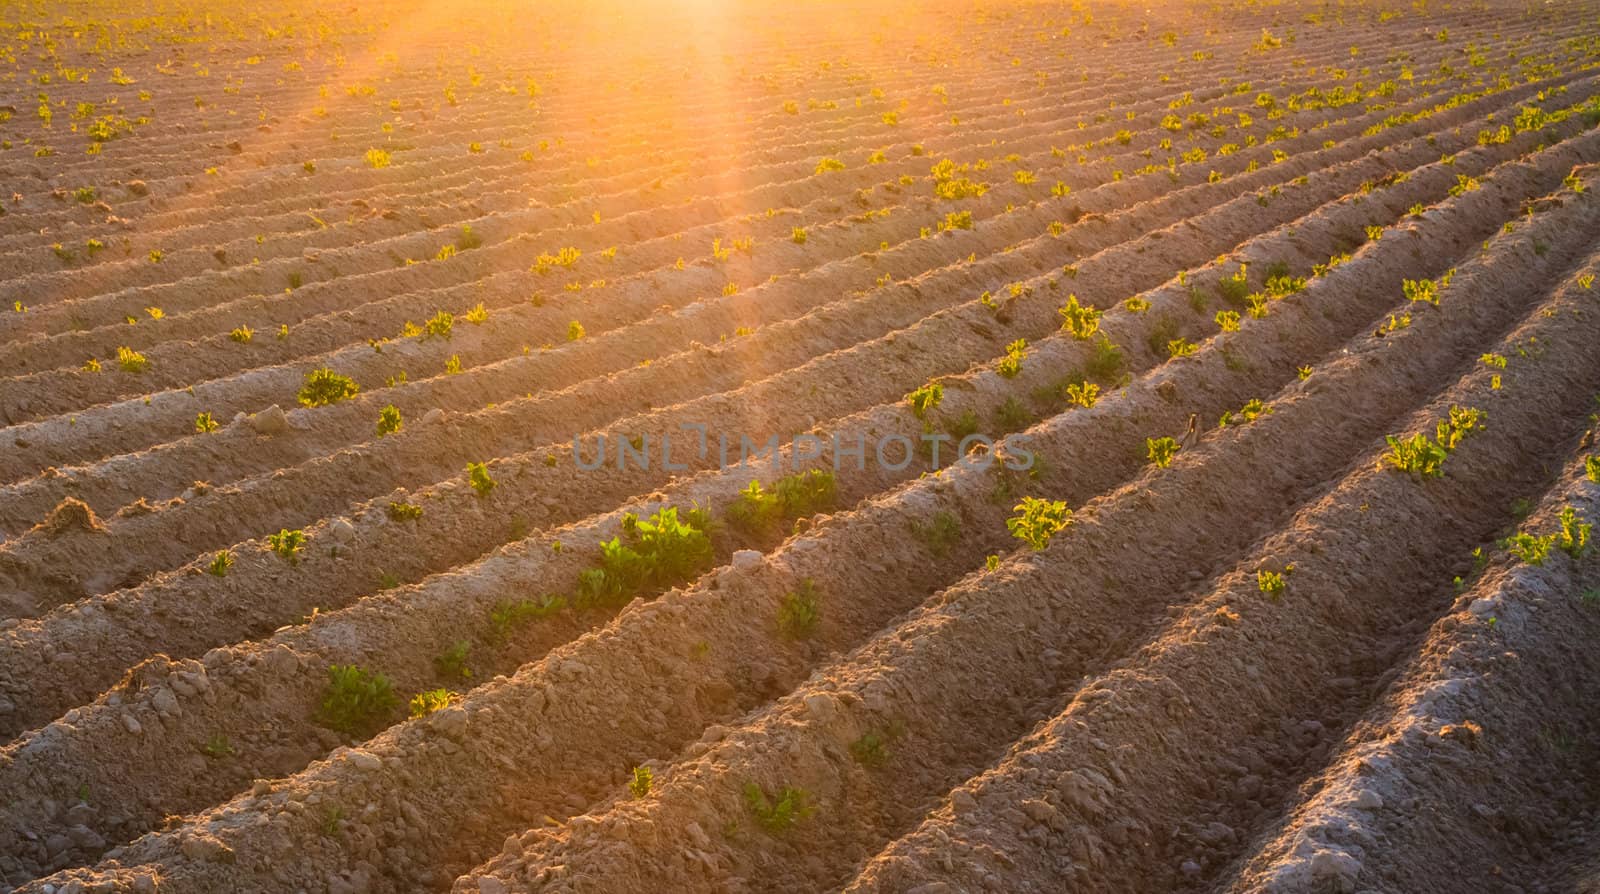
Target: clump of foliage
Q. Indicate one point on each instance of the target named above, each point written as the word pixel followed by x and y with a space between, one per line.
pixel 389 420
pixel 1272 583
pixel 639 785
pixel 1234 288
pixel 1423 290
pixel 800 611
pixel 1161 451
pixel 1252 410
pixel 205 423
pixel 565 258
pixel 1417 455
pixel 513 614
pixel 758 511
pixel 938 533
pixel 287 544
pixel 131 361
pixel 1038 520
pixel 478 476
pixel 925 398
pixel 1011 364
pixel 1529 548
pixel 777 815
pixel 1423 457
pixel 220 563
pixel 355 700
pixel 1081 394
pixel 399 511
pixel 651 554
pixel 439 325
pixel 324 386
pixel 871 748
pixel 1574 536
pixel 451 664
pixel 1081 320
pixel 425 703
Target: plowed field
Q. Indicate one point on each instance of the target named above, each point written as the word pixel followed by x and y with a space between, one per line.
pixel 947 447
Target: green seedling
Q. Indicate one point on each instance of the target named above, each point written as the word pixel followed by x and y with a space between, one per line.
pixel 800 612
pixel 355 700
pixel 1038 520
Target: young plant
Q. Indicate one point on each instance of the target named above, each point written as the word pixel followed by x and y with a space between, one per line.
pixel 404 511
pixel 1104 362
pixel 389 420
pixel 1460 422
pixel 512 615
pixel 1271 583
pixel 1252 410
pixel 777 815
pixel 1423 290
pixel 1011 364
pixel 939 533
pixel 1530 549
pixel 1234 288
pixel 639 785
pixel 478 475
pixel 1082 394
pixel 451 664
pixel 355 700
pixel 1081 320
pixel 220 563
pixel 440 325
pixel 1013 416
pixel 800 611
pixel 871 748
pixel 1161 451
pixel 1181 347
pixel 925 398
pixel 758 511
pixel 205 424
pixel 1416 456
pixel 324 386
pixel 425 703
pixel 660 552
pixel 1038 520
pixel 131 361
pixel 1423 457
pixel 1574 536
pixel 287 544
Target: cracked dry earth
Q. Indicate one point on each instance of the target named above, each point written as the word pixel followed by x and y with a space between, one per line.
pixel 1270 570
